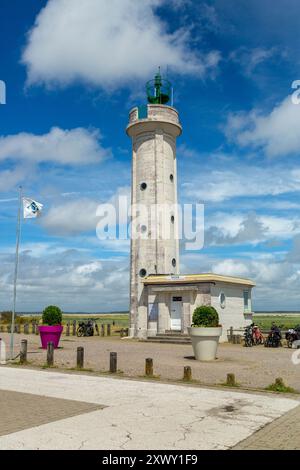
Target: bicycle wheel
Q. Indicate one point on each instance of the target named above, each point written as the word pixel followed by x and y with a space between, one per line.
pixel 80 331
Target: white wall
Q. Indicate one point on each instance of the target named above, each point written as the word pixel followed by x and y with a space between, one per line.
pixel 233 313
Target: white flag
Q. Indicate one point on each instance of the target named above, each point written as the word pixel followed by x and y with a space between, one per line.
pixel 31 208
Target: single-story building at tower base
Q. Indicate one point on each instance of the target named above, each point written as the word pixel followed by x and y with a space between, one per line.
pixel 172 299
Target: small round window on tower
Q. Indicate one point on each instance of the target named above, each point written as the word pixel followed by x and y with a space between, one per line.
pixel 173 262
pixel 172 219
pixel 143 228
pixel 143 272
pixel 171 178
pixel 143 186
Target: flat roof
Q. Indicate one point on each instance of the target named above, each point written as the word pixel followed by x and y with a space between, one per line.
pixel 195 278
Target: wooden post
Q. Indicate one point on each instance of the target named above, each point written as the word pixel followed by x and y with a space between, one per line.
pixel 231 380
pixel 149 367
pixel 187 373
pixel 113 362
pixel 80 357
pixel 50 353
pixel 74 328
pixel 102 330
pixel 36 328
pixel 108 330
pixel 68 329
pixel 26 329
pixel 231 335
pixel 23 351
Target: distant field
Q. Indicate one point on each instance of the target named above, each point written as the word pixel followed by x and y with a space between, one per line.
pixel 285 321
pixel 120 319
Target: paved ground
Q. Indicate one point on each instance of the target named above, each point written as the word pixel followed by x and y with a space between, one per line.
pixel 282 434
pixel 254 367
pixel 139 415
pixel 20 411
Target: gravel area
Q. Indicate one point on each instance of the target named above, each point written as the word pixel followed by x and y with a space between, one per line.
pixel 254 367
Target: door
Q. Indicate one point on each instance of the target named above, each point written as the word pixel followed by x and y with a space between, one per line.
pixel 176 309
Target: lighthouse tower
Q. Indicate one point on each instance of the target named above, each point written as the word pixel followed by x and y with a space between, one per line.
pixel 153 129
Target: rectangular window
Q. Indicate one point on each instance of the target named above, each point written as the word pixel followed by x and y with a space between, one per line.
pixel 246 301
pixel 143 111
pixel 153 311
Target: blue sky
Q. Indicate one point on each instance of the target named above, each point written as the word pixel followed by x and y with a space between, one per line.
pixel 73 70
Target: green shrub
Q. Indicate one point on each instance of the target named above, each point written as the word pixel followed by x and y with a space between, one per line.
pixel 205 316
pixel 6 316
pixel 52 315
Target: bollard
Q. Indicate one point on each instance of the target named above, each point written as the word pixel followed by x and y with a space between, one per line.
pixel 231 334
pixel 113 362
pixel 80 357
pixel 102 330
pixel 37 328
pixel 23 351
pixel 187 373
pixel 74 328
pixel 149 367
pixel 50 354
pixel 68 329
pixel 122 332
pixel 33 327
pixel 231 380
pixel 18 328
pixel 108 330
pixel 2 353
pixel 26 329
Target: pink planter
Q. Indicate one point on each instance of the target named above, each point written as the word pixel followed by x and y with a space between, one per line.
pixel 50 333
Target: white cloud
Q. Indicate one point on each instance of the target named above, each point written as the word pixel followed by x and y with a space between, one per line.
pixel 250 59
pixel 107 44
pixel 75 147
pixel 237 228
pixel 80 215
pixel 234 180
pixel 277 133
pixel 72 279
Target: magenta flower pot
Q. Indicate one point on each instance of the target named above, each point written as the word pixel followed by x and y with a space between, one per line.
pixel 50 333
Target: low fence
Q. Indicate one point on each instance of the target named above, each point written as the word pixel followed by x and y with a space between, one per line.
pixel 69 329
pixel 236 335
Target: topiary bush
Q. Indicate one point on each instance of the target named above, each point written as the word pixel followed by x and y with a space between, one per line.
pixel 52 315
pixel 205 316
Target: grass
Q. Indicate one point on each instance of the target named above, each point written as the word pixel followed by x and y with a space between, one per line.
pixel 283 321
pixel 279 386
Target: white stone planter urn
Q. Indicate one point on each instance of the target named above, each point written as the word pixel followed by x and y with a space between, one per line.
pixel 205 342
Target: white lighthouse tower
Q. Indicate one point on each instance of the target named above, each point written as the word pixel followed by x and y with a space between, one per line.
pixel 153 129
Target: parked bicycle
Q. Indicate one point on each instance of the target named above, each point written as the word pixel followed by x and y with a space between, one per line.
pixel 87 328
pixel 258 337
pixel 248 337
pixel 293 334
pixel 274 337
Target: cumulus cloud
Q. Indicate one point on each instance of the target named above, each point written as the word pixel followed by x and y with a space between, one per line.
pixel 236 228
pixel 72 147
pixel 107 44
pixel 80 215
pixel 73 279
pixel 276 133
pixel 231 179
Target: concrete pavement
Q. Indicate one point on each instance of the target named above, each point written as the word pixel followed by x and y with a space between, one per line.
pixel 139 415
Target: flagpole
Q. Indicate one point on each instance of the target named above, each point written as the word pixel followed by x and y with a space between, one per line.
pixel 12 331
